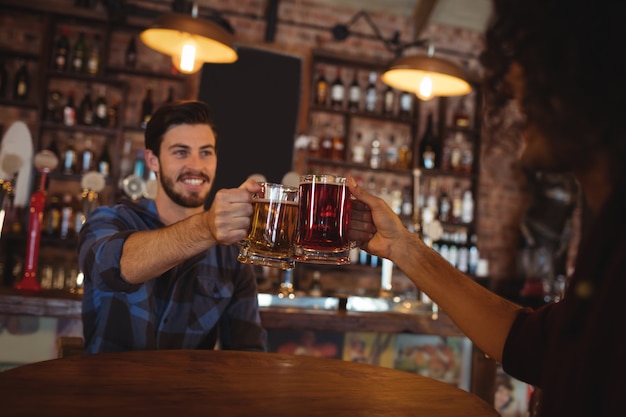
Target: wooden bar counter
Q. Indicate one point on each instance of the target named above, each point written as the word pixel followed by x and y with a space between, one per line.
pixel 225 383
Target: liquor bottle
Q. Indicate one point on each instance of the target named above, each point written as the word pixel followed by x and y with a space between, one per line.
pixel 80 54
pixel 126 163
pixel 457 203
pixel 112 114
pixel 85 110
pixel 405 156
pixel 467 207
pixel 375 154
pixel 21 86
pixel 93 63
pixel 104 161
pixel 460 116
pixel 321 88
pixel 69 111
pixel 61 51
pixel 338 151
pixel 429 146
pixel 131 53
pixel 86 157
pixel 139 165
pixel 358 150
pixel 4 79
pixel 67 222
pixel 389 99
pixel 371 94
pixel 101 115
pixel 315 286
pixel 406 105
pixel 69 157
pixel 146 109
pixel 337 91
pixel 354 94
pixel 445 206
pixel 392 153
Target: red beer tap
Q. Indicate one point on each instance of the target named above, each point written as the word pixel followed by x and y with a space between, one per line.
pixel 45 161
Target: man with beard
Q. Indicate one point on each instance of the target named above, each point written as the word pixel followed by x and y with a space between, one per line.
pixel 163 273
pixel 556 61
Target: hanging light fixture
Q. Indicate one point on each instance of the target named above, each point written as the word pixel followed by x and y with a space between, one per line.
pixel 427 76
pixel 190 41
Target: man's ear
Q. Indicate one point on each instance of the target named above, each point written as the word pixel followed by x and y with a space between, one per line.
pixel 152 161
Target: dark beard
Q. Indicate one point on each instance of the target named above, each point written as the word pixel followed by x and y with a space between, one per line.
pixel 194 200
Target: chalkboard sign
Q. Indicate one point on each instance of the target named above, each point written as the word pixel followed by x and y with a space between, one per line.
pixel 254 103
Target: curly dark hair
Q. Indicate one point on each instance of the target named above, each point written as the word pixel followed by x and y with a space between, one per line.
pixel 575 77
pixel 172 114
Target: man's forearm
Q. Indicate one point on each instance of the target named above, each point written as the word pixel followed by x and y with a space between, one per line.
pixel 148 254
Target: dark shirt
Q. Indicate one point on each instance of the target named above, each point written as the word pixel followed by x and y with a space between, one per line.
pixel 575 350
pixel 208 298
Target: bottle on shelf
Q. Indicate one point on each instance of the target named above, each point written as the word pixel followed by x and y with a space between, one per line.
pixel 321 88
pixel 4 79
pixel 21 85
pixel 101 114
pixel 354 94
pixel 139 166
pixel 406 105
pixel 467 207
pixel 66 224
pixel 126 162
pixel 315 286
pixel 61 51
pixel 93 62
pixel 405 156
pixel 85 110
pixel 375 154
pixel 69 157
pixel 389 101
pixel 104 161
pixel 337 91
pixel 429 146
pixel 131 53
pixel 146 109
pixel 69 110
pixel 358 149
pixel 338 150
pixel 460 116
pixel 112 112
pixel 445 206
pixel 79 55
pixel 86 157
pixel 457 203
pixel 371 94
pixel 392 153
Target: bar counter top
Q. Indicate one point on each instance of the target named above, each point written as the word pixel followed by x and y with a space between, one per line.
pixel 324 313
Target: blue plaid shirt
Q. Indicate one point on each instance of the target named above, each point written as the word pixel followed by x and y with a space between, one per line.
pixel 206 298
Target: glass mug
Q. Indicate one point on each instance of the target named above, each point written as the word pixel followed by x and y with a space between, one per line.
pixel 270 241
pixel 322 232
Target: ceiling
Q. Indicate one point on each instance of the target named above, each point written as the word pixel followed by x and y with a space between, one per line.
pixel 467 14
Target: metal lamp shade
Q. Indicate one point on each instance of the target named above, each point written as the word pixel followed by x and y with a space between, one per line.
pixel 406 73
pixel 170 32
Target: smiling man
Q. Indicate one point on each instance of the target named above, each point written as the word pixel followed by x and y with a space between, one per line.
pixel 163 273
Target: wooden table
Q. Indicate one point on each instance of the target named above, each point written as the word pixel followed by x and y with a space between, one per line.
pixel 185 383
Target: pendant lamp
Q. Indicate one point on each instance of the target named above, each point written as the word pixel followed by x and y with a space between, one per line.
pixel 427 76
pixel 190 41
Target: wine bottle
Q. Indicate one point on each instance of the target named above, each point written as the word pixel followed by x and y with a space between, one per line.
pixel 80 54
pixel 101 109
pixel 69 157
pixel 429 146
pixel 85 110
pixel 131 53
pixel 371 94
pixel 93 63
pixel 61 51
pixel 406 105
pixel 69 111
pixel 337 91
pixel 104 161
pixel 4 79
pixel 87 157
pixel 321 88
pixel 21 86
pixel 146 109
pixel 354 94
pixel 389 101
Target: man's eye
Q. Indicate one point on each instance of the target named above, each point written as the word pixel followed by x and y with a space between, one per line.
pixel 207 153
pixel 180 152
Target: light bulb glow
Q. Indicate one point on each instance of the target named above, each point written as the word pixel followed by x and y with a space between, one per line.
pixel 425 88
pixel 188 57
